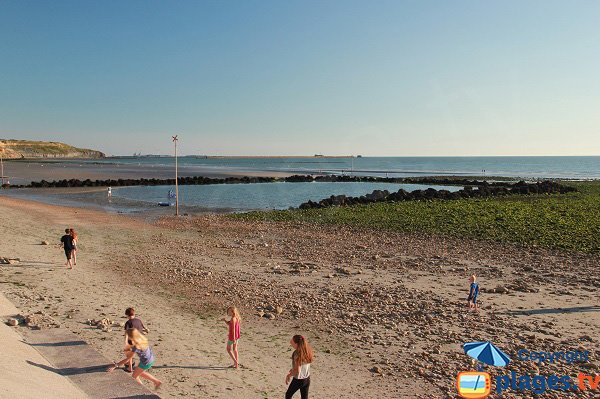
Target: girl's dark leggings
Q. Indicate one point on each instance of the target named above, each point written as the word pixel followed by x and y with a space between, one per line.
pixel 297 384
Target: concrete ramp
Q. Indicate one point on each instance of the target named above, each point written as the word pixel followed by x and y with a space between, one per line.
pixel 55 363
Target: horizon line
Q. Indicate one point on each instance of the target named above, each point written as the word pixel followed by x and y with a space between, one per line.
pixel 341 156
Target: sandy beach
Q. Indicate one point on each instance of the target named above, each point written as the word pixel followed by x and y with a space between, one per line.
pixel 384 311
pixel 440 238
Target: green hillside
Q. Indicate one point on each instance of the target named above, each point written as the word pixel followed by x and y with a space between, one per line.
pixel 23 149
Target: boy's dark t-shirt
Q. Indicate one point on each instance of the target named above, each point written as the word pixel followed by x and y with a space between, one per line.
pixel 67 241
pixel 135 323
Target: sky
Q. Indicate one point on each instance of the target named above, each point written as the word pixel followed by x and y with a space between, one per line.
pixel 261 77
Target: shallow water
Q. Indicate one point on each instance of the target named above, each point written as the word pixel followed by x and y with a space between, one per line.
pixel 243 197
pixel 213 198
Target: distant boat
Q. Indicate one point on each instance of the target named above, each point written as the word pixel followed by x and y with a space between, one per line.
pixel 359 156
pixel 319 155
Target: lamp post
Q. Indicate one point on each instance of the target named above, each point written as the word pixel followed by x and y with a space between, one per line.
pixel 175 139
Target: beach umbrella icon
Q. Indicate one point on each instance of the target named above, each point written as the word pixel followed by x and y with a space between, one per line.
pixel 486 352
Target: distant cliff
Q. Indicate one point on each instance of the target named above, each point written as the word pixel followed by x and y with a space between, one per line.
pixel 17 149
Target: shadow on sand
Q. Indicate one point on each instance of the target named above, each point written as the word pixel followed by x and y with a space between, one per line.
pixel 72 370
pixel 576 309
pixel 167 366
pixel 34 263
pixel 58 344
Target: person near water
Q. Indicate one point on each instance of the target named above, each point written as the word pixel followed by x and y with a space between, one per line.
pixel 234 334
pixel 73 234
pixel 109 192
pixel 299 374
pixel 132 322
pixel 473 292
pixel 66 242
pixel 139 345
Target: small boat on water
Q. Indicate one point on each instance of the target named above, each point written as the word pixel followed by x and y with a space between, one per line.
pixel 165 204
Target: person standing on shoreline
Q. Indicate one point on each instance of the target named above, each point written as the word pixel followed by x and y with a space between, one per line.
pixel 67 245
pixel 299 374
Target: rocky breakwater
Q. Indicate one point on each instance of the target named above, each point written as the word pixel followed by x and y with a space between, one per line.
pixel 201 180
pixel 186 181
pixel 475 189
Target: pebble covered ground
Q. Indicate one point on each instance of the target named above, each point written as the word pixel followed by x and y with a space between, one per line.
pixel 391 305
pixel 394 303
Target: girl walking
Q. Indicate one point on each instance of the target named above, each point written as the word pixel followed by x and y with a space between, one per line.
pixel 139 345
pixel 234 334
pixel 300 371
pixel 73 235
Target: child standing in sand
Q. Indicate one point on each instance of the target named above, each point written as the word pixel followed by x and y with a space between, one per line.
pixel 234 334
pixel 299 374
pixel 139 345
pixel 473 292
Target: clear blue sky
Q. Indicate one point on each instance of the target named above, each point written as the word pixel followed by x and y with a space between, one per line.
pixel 303 77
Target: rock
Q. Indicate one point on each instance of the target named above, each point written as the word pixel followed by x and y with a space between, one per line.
pixel 12 322
pixel 501 290
pixel 45 242
pixel 269 315
pixel 279 310
pixel 586 338
pixel 376 370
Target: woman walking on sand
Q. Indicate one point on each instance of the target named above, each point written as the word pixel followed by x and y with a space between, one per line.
pixel 139 345
pixel 234 334
pixel 73 235
pixel 300 371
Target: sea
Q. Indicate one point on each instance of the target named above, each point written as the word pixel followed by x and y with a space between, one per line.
pixel 539 167
pixel 264 196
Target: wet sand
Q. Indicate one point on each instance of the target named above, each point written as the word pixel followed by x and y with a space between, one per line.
pixel 24 172
pixel 385 312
